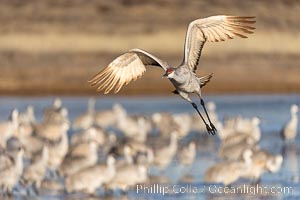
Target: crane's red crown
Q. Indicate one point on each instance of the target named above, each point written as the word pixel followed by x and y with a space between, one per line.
pixel 169 70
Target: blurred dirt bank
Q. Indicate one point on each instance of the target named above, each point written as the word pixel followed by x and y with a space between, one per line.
pixel 53 47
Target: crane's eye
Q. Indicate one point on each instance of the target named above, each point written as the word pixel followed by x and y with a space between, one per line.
pixel 170 70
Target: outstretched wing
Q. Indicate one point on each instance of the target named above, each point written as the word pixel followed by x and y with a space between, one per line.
pixel 213 29
pixel 124 69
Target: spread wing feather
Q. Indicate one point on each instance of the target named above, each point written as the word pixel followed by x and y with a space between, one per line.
pixel 124 69
pixel 213 29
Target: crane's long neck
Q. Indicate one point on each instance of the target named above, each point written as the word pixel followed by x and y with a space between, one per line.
pixel 111 167
pixel 45 155
pixel 294 116
pixel 173 143
pixel 19 162
pixel 91 105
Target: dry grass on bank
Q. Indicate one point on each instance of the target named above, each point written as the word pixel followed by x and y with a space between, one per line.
pixel 169 42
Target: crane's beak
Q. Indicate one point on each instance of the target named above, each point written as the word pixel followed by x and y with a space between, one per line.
pixel 165 75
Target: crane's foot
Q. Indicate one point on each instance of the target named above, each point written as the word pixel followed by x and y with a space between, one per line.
pixel 210 130
pixel 213 128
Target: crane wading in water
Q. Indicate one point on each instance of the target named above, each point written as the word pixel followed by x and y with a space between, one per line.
pixel 132 64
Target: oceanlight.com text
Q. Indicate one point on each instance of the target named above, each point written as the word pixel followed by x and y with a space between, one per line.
pixel 213 189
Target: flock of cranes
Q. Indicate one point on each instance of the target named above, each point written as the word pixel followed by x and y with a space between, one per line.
pixel 113 150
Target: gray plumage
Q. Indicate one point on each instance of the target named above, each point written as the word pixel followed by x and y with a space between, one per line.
pixel 132 64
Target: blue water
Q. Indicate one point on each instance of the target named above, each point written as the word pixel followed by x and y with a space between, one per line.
pixel 272 109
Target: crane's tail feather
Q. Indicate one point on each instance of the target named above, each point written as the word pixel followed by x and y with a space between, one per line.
pixel 204 80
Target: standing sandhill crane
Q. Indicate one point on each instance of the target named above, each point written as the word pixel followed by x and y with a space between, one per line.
pixel 92 133
pixel 188 154
pixel 8 128
pixel 86 119
pixel 34 173
pixel 132 64
pixel 89 179
pixel 228 172
pixel 82 156
pixel 262 160
pixel 10 171
pixel 27 117
pixel 167 123
pixel 164 156
pixel 289 131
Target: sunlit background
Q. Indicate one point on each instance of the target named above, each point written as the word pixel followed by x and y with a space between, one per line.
pixel 53 47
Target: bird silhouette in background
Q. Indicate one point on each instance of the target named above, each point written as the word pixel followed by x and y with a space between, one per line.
pixel 132 64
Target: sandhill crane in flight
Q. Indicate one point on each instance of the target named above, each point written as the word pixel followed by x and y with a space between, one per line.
pixel 132 64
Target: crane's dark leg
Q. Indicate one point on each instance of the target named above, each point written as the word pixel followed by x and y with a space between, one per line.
pixel 186 97
pixel 208 128
pixel 210 123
